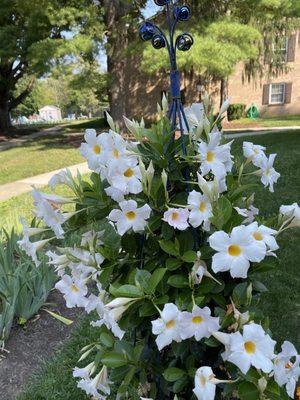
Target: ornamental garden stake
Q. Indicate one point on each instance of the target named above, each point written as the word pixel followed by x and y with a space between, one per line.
pixel 167 253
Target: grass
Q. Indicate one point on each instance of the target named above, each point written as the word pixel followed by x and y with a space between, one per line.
pixel 38 156
pixel 281 303
pixel 267 122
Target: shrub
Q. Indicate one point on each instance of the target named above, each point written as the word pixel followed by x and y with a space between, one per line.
pixel 236 111
pixel 168 262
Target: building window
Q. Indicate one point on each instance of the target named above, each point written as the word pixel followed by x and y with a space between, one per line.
pixel 277 93
pixel 280 49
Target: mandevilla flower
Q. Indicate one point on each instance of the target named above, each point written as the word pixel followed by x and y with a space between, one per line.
pixel 253 347
pixel 287 368
pixel 254 152
pixel 291 212
pixel 235 251
pixel 167 327
pixel 177 218
pixel 130 216
pixel 125 175
pixel 267 172
pixel 199 323
pixel 214 157
pixel 94 149
pixel 99 384
pixel 74 291
pixel 264 234
pixel 201 210
pixel 205 384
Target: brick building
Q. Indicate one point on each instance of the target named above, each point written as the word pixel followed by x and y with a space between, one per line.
pixel 273 96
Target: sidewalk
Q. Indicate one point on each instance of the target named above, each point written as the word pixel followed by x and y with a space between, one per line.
pixel 25 185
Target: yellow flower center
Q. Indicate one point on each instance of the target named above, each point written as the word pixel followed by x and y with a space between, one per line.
pixel 210 156
pixel 257 236
pixel 250 347
pixel 197 320
pixel 175 216
pixel 202 207
pixel 130 215
pixel 234 250
pixel 116 153
pixel 128 173
pixel 170 324
pixel 97 149
pixel 74 288
pixel 202 380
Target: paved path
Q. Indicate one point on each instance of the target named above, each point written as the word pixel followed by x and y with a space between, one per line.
pixel 256 132
pixel 25 185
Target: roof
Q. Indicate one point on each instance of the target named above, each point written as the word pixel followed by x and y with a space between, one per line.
pixel 49 108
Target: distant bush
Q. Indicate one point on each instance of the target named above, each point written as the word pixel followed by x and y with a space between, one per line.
pixel 236 111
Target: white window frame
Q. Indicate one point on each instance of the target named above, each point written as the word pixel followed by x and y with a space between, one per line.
pixel 270 93
pixel 283 50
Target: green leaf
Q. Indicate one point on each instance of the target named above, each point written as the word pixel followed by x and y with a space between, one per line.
pixel 156 277
pixel 107 340
pixel 147 309
pixel 169 247
pixel 173 263
pixel 248 391
pixel 142 278
pixel 221 212
pixel 126 291
pixel 113 359
pixel 189 256
pixel 60 318
pixel 259 287
pixel 172 374
pixel 178 281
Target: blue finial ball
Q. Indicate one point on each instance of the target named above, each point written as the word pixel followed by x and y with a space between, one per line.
pixel 161 2
pixel 158 42
pixel 184 13
pixel 146 31
pixel 184 42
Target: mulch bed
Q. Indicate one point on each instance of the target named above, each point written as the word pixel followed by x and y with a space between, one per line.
pixel 29 346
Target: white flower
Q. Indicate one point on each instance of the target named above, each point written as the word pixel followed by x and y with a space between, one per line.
pixel 92 238
pixel 94 149
pixel 177 218
pixel 130 216
pixel 74 291
pixel 32 248
pixel 107 316
pixel 51 217
pixel 27 231
pixel 200 269
pixel 291 212
pixel 198 323
pixel 253 347
pixel 205 384
pixel 116 194
pixel 235 251
pixel 264 234
pixel 201 210
pixel 60 262
pixel 267 172
pixel 167 326
pixel 63 177
pixel 254 153
pixel 115 147
pixel 214 157
pixel 84 372
pixel 248 213
pixel 99 384
pixel 287 368
pixel 195 115
pixel 224 107
pixel 125 175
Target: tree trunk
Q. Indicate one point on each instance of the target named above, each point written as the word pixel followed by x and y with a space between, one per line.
pixel 223 91
pixel 5 123
pixel 117 41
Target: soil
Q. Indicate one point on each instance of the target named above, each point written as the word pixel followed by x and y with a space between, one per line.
pixel 29 346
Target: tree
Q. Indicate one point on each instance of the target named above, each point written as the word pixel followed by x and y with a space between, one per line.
pixel 33 35
pixel 226 33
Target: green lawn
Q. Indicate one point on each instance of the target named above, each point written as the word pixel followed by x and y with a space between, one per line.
pixel 268 122
pixel 38 156
pixel 281 303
